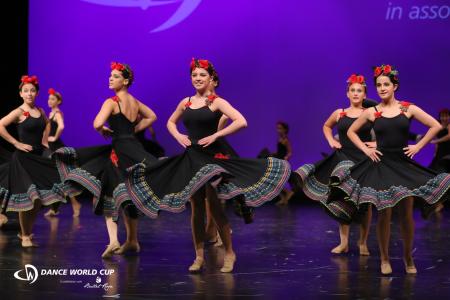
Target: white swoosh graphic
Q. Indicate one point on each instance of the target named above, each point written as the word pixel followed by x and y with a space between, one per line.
pixel 185 9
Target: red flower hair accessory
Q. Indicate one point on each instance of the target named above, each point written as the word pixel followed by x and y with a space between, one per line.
pixel 29 79
pixel 114 158
pixel 51 91
pixel 117 66
pixel 199 63
pixel 386 70
pixel 356 79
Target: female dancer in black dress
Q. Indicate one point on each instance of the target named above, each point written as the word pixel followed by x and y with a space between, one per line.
pixel 284 151
pixel 441 159
pixel 315 178
pixel 56 118
pixel 206 167
pixel 102 170
pixel 30 179
pixel 389 177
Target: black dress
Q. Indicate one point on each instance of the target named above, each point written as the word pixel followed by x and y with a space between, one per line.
pixel 441 161
pixel 170 183
pixel 315 179
pixel 53 127
pixel 281 151
pixel 29 176
pixel 101 170
pixel 384 184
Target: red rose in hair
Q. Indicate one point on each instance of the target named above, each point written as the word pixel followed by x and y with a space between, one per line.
pixel 360 79
pixel 378 114
pixel 117 66
pixel 377 71
pixel 114 158
pixel 204 64
pixel 192 64
pixel 26 114
pixel 387 69
pixel 221 156
pixel 352 78
pixel 27 79
pixel 51 91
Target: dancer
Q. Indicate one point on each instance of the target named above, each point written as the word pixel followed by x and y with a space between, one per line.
pixel 29 180
pixel 284 151
pixel 389 177
pixel 441 159
pixel 206 167
pixel 56 118
pixel 102 170
pixel 315 178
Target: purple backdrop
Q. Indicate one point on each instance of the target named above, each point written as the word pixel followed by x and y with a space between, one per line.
pixel 278 60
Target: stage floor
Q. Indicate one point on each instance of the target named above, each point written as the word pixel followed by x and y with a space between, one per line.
pixel 284 254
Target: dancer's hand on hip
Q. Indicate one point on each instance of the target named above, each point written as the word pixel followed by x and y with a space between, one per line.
pixel 411 150
pixel 374 154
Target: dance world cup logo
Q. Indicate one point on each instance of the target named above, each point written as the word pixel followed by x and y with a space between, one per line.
pixel 185 9
pixel 31 274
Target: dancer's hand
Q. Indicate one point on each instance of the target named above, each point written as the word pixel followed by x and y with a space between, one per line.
pixel 105 131
pixel 411 150
pixel 23 147
pixel 335 144
pixel 51 139
pixel 371 144
pixel 183 140
pixel 374 154
pixel 206 141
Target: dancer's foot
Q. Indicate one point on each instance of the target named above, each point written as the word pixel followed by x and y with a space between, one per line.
pixel 110 249
pixel 339 249
pixel 51 213
pixel 410 268
pixel 27 241
pixel 363 250
pixel 386 268
pixel 228 263
pixel 128 248
pixel 197 265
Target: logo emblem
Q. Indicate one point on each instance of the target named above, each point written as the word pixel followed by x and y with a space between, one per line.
pixel 31 274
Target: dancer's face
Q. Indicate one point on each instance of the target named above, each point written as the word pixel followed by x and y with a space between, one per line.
pixel 201 79
pixel 385 87
pixel 281 130
pixel 356 93
pixel 53 101
pixel 116 80
pixel 28 93
pixel 444 118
